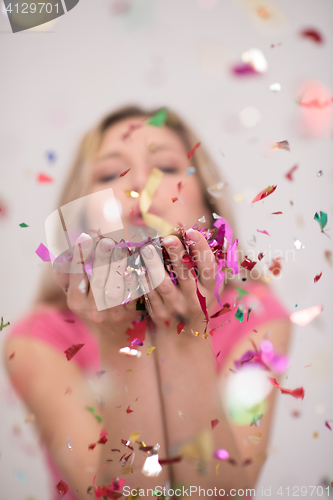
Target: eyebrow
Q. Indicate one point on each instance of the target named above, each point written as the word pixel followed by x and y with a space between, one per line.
pixel 157 147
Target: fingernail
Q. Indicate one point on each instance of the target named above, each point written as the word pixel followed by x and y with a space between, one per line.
pixel 119 253
pixel 147 252
pixel 168 241
pixel 193 235
pixel 83 240
pixel 105 245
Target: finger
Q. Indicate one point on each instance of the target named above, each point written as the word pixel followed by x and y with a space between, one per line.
pixel 162 284
pixel 78 280
pixel 115 286
pixel 204 258
pixel 100 271
pixel 186 280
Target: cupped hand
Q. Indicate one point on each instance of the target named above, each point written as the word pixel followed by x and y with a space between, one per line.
pixel 181 301
pixel 101 292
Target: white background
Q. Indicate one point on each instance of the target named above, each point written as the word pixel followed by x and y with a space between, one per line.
pixel 57 81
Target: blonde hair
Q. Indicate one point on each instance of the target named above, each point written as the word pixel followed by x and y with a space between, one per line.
pixel 79 176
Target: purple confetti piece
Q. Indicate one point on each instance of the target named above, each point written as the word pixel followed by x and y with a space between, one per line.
pixel 44 253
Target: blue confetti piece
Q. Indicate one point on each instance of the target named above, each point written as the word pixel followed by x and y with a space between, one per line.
pixel 21 477
pixel 190 171
pixel 51 156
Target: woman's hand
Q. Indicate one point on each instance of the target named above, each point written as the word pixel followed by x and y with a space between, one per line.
pixel 181 301
pixel 99 299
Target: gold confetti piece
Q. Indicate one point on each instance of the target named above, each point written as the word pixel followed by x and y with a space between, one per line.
pixel 131 194
pixel 217 469
pixel 129 369
pixel 146 199
pixel 255 439
pixel 200 448
pixel 136 399
pixel 134 435
pixel 30 418
pixel 315 434
pixel 150 349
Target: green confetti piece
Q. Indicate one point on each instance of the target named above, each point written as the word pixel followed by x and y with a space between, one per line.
pixel 241 292
pixel 23 224
pixel 159 494
pixel 2 325
pixel 159 118
pixel 93 412
pixel 321 218
pixel 239 315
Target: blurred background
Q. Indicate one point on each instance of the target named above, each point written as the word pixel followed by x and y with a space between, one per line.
pixel 245 75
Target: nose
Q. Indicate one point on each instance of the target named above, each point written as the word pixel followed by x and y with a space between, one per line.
pixel 140 177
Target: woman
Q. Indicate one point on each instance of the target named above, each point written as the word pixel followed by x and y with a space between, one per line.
pixel 171 394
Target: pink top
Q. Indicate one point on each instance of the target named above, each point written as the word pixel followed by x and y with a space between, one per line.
pixel 63 329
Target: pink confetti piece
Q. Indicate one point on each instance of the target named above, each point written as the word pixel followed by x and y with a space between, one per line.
pixel 42 179
pixel 214 423
pixel 264 193
pixel 289 174
pixel 71 351
pixel 44 253
pixel 222 454
pixel 263 232
pixel 305 316
pixel 296 393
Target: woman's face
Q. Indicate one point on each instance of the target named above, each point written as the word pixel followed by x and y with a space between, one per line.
pixel 144 148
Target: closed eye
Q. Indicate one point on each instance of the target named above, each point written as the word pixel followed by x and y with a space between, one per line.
pixel 168 170
pixel 108 178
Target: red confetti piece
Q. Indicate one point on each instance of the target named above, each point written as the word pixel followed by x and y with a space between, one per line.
pixel 224 310
pixel 138 331
pixel 69 320
pixel 191 152
pixel 180 326
pixel 264 193
pixel 260 256
pixel 296 393
pixel 115 449
pixel 62 488
pixel 296 414
pixel 275 267
pixel 44 178
pixel 91 446
pixel 127 443
pixel 289 175
pixel 128 409
pixel 276 213
pixel 246 462
pixel 317 278
pixel 71 351
pixel 131 129
pixel 263 232
pixel 174 199
pixel 232 461
pixel 248 264
pixel 173 460
pixel 328 425
pixel 313 34
pixel 214 423
pixel 179 186
pixel 124 173
pixel 132 212
pixel 102 440
pixel 12 355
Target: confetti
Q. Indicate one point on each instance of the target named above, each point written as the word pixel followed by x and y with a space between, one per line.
pixel 216 190
pixel 23 225
pixel 248 264
pixel 91 446
pixel 202 219
pixel 222 454
pixel 190 171
pixel 124 173
pixel 128 409
pixel 328 425
pixel 305 316
pixel 131 194
pixel 255 439
pixel 275 87
pixel 51 156
pixel 256 420
pixel 150 349
pixel 239 315
pixel 174 199
pixel 224 310
pixel 313 35
pixel 289 174
pixel 263 232
pixel 317 278
pixel 214 423
pixel 298 245
pixel 2 325
pixel 12 355
pixel 146 198
pixel 132 127
pixel 282 145
pixel 151 467
pixel 93 412
pixel 256 59
pixel 275 267
pixel 159 118
pixel 191 152
pixel 321 218
pixel 62 488
pixel 44 253
pixel 243 69
pixel 180 326
pixel 296 393
pixel 276 213
pixel 167 461
pixel 136 342
pixel 260 256
pixel 320 173
pixel 71 351
pixel 264 193
pixel 130 352
pixel 42 178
